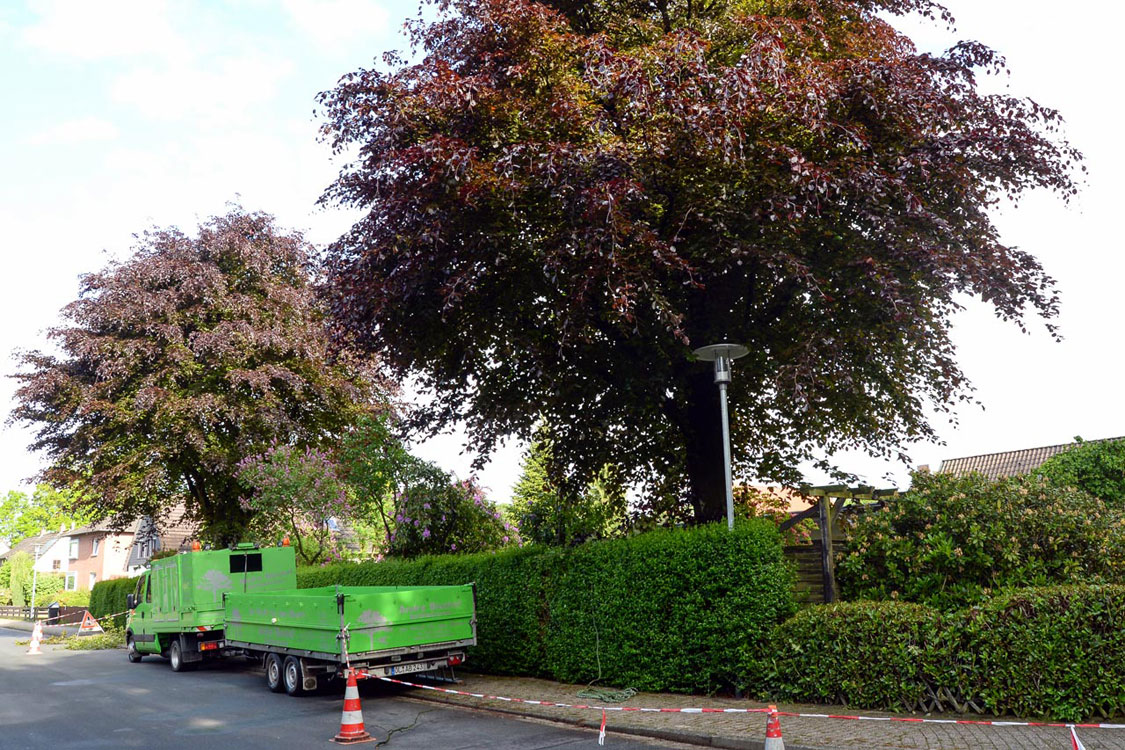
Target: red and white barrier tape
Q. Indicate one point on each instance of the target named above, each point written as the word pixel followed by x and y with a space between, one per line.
pixel 1076 743
pixel 46 620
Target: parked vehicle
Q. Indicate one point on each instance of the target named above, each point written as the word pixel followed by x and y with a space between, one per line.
pixel 245 601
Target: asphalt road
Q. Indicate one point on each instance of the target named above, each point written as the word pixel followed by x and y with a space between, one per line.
pixel 71 700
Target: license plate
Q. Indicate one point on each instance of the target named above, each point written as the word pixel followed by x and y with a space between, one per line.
pixel 410 668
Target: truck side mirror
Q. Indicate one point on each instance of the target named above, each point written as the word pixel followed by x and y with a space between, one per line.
pixel 130 601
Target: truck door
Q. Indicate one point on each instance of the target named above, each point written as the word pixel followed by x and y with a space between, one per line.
pixel 141 622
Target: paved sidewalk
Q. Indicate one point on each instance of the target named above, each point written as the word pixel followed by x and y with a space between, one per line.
pixel 747 731
pixel 47 629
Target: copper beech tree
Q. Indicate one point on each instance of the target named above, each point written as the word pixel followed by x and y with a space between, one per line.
pixel 560 203
pixel 178 362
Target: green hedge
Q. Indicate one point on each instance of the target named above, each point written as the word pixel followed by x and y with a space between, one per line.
pixel 1055 652
pixel 679 610
pixel 866 654
pixel 108 597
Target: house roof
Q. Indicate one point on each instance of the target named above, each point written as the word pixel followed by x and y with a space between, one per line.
pixel 1008 463
pixel 172 533
pixel 28 545
pixel 104 528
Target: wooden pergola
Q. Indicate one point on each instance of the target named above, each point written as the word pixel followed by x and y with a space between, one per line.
pixel 829 501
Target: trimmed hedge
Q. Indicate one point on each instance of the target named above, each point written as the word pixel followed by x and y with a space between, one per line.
pixel 1055 652
pixel 867 654
pixel 675 610
pixel 108 597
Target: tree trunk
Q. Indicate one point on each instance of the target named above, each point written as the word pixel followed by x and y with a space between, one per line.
pixel 703 438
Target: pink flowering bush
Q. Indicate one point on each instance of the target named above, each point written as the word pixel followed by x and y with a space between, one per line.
pixel 433 515
pixel 297 493
pixel 953 541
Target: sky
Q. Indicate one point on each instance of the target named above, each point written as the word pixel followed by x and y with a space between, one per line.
pixel 127 114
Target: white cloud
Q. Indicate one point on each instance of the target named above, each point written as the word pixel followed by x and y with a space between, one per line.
pixel 333 22
pixel 82 130
pixel 229 90
pixel 89 30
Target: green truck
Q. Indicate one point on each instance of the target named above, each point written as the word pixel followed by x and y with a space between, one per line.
pixel 244 601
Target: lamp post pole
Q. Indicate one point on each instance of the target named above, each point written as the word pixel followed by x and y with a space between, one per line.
pixel 722 355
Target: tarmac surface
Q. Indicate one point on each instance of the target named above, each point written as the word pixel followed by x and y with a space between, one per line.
pixel 742 731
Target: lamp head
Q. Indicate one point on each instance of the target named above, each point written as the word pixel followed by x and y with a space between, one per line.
pixel 721 355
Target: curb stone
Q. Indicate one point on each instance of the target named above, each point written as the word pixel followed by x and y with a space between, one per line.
pixel 670 735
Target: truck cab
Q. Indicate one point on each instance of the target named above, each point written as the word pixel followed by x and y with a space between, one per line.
pixel 176 610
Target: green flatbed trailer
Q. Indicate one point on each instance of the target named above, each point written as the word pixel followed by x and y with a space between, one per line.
pixel 244 601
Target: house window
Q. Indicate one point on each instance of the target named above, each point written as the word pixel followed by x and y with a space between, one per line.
pixel 73 549
pixel 71 581
pixel 93 580
pixel 56 564
pixel 97 545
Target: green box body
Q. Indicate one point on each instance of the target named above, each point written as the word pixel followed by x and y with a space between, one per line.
pixel 185 593
pixel 378 619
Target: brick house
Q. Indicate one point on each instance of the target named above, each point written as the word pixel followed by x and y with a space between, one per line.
pixel 97 553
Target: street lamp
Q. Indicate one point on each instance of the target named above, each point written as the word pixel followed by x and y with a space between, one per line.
pixel 722 355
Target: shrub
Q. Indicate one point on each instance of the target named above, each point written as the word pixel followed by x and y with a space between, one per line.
pixel 868 654
pixel 19 570
pixel 294 491
pixel 1054 652
pixel 72 598
pixel 434 514
pixel 1057 652
pixel 952 541
pixel 681 610
pixel 47 588
pixel 108 597
pixel 1097 468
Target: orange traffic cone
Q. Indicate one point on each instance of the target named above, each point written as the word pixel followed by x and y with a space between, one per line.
pixel 351 723
pixel 773 731
pixel 36 636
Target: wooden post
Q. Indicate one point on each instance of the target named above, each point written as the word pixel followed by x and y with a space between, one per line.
pixel 824 520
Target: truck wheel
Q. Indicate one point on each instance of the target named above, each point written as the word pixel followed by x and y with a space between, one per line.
pixel 131 650
pixel 176 657
pixel 274 670
pixel 294 677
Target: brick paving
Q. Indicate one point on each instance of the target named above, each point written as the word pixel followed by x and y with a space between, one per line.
pixel 747 731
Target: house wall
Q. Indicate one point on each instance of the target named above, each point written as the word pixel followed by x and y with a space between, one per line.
pixel 53 558
pixel 109 562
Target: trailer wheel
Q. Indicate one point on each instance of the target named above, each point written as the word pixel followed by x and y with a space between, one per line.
pixel 131 650
pixel 176 657
pixel 294 677
pixel 274 669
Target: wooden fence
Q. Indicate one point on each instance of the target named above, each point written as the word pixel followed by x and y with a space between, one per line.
pixel 66 615
pixel 816 562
